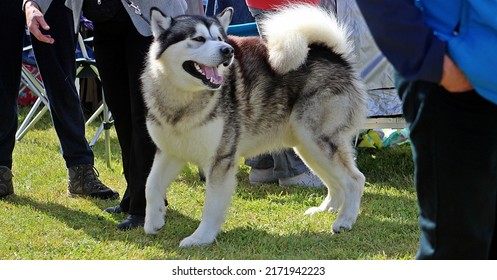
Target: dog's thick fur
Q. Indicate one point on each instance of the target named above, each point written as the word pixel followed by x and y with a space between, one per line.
pixel 212 99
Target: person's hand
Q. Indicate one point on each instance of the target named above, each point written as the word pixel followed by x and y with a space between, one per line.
pixel 35 20
pixel 453 79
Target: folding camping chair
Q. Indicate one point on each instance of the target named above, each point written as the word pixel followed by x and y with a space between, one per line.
pixel 86 66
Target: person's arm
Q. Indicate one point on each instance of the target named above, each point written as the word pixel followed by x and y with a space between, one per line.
pixel 35 20
pixel 399 31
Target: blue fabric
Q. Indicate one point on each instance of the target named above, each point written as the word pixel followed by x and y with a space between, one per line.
pixel 473 45
pixel 285 164
pixel 415 34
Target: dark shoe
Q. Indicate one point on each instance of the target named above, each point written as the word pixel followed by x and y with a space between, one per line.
pixel 83 181
pixel 118 209
pixel 115 209
pixel 6 185
pixel 131 222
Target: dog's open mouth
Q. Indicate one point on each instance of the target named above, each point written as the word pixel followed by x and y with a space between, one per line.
pixel 208 75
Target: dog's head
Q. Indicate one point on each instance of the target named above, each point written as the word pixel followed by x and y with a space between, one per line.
pixel 192 50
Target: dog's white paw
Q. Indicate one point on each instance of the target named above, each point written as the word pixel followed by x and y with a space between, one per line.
pixel 313 210
pixel 153 223
pixel 192 241
pixel 340 224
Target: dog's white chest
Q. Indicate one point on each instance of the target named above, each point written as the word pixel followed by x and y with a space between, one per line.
pixel 192 144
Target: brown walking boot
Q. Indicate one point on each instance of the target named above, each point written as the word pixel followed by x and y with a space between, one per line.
pixel 83 181
pixel 6 185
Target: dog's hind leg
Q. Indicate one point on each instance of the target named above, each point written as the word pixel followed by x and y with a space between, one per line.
pixel 164 170
pixel 220 185
pixel 333 162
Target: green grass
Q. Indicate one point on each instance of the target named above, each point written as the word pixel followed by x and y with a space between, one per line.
pixel 264 222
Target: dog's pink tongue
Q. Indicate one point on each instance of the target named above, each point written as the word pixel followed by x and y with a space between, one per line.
pixel 211 72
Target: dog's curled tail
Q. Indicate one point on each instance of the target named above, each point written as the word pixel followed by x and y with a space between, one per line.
pixel 290 30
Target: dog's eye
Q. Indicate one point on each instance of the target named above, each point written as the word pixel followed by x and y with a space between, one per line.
pixel 220 39
pixel 199 39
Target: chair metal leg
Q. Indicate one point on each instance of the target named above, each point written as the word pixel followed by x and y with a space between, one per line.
pixel 37 88
pixel 104 127
pixel 20 133
pixel 95 114
pixel 107 125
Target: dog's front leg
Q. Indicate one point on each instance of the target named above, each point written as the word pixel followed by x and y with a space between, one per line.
pixel 220 185
pixel 164 170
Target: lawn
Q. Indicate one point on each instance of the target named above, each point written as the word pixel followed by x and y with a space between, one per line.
pixel 41 222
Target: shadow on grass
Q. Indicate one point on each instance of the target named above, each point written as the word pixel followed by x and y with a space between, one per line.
pixel 386 227
pixel 373 236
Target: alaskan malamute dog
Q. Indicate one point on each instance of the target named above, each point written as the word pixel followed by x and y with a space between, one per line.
pixel 214 98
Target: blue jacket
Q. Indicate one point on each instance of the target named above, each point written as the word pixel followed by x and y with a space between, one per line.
pixel 415 34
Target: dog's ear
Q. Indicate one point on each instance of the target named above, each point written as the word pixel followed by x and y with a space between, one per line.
pixel 159 22
pixel 225 17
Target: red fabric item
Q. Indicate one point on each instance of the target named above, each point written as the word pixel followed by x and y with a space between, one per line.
pixel 26 97
pixel 273 4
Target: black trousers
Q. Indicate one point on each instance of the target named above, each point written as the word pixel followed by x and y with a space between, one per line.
pixel 11 29
pixel 57 66
pixel 120 52
pixel 454 143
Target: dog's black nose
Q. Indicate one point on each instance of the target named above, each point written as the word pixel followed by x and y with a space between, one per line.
pixel 227 51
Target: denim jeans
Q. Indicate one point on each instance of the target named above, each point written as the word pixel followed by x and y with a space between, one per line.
pixel 285 163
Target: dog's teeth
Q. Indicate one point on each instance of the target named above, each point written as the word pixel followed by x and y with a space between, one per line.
pixel 197 67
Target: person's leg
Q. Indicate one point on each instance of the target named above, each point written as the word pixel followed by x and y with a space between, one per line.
pixel 264 161
pixel 11 27
pixel 142 148
pixel 110 53
pixel 261 169
pixel 291 170
pixel 57 65
pixel 12 30
pixel 493 247
pixel 120 52
pixel 454 143
pixel 288 164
